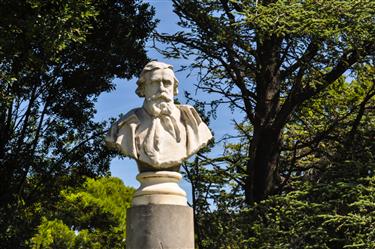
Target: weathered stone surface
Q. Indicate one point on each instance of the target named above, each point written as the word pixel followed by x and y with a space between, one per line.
pixel 160 227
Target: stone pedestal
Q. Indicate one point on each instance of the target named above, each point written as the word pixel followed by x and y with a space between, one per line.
pixel 160 227
pixel 159 216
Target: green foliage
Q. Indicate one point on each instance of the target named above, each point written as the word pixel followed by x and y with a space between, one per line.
pixel 299 170
pixel 337 120
pixel 335 214
pixel 54 234
pixel 267 59
pixel 56 58
pixel 326 196
pixel 322 19
pixel 92 216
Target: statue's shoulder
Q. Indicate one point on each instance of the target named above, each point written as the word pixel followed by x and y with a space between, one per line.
pixel 184 107
pixel 131 117
pixel 190 113
pixel 197 132
pixel 129 121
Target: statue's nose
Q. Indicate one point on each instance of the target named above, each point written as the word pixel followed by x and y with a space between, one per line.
pixel 161 87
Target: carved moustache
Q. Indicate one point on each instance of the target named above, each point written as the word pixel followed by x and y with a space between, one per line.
pixel 159 104
pixel 161 96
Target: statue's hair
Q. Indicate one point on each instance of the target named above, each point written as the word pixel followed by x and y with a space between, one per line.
pixel 153 65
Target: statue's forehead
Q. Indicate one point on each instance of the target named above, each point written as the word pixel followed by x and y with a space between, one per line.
pixel 160 72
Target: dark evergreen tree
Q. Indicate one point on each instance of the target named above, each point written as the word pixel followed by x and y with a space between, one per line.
pixel 327 164
pixel 266 58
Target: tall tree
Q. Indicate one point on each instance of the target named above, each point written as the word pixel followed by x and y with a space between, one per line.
pixel 56 57
pixel 268 57
pixel 327 165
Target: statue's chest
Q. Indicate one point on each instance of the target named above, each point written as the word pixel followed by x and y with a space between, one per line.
pixel 162 142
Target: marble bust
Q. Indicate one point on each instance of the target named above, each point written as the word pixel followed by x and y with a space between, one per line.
pixel 160 134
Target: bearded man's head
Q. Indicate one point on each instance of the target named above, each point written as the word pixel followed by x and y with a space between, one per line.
pixel 158 85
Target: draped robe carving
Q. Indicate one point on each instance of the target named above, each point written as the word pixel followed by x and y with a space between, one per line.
pixel 159 142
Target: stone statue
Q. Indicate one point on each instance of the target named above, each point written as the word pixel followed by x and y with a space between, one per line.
pixel 159 135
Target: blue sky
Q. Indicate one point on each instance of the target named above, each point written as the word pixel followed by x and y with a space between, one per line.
pixel 124 98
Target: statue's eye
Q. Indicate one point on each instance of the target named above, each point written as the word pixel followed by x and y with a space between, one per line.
pixel 167 83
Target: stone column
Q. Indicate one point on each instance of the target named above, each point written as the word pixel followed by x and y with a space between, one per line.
pixel 159 216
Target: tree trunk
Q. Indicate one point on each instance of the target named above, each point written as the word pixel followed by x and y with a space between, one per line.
pixel 265 146
pixel 262 167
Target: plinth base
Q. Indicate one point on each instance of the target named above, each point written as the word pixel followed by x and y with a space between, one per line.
pixel 159 188
pixel 160 226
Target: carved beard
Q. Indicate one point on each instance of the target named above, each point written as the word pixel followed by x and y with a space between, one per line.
pixel 159 104
pixel 160 107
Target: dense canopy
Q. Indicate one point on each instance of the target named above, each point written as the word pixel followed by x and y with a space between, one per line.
pixel 56 57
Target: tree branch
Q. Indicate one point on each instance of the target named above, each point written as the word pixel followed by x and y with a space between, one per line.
pixel 310 52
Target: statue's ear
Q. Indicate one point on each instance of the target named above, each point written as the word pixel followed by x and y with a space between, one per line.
pixel 175 90
pixel 140 91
